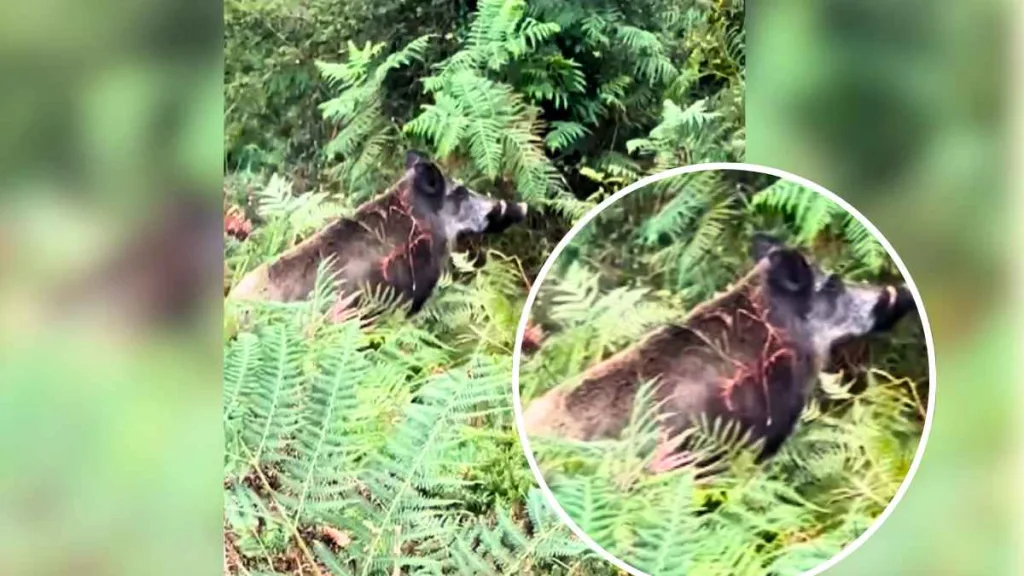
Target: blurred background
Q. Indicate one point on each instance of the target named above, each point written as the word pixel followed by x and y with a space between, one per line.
pixel 902 108
pixel 111 134
pixel 110 170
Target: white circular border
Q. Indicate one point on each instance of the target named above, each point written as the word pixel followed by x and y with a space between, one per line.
pixel 738 166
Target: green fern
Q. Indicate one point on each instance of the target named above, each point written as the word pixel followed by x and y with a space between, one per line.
pixel 480 312
pixel 302 214
pixel 592 323
pixel 865 247
pixel 367 138
pixel 814 216
pixel 503 547
pixel 681 136
pixel 563 134
pixel 287 218
pixel 496 128
pixel 811 212
pixel 387 434
pixel 310 479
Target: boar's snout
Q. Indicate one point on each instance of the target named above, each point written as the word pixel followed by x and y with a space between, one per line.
pixel 504 214
pixel 894 303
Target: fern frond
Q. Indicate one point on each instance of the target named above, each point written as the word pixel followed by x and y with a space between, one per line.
pixel 366 136
pixel 811 212
pixel 324 466
pixel 241 363
pixel 418 458
pixel 563 134
pixel 664 533
pixel 274 405
pixel 590 501
pixel 865 247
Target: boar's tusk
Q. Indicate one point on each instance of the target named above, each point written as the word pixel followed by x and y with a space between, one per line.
pixel 891 291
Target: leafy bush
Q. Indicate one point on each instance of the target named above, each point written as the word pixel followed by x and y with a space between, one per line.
pixel 557 103
pixel 272 87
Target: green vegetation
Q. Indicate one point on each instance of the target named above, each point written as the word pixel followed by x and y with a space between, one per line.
pixel 368 462
pixel 556 103
pixel 394 445
pixel 390 449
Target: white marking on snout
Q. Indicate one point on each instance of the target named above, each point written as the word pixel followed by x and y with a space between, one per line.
pixel 891 291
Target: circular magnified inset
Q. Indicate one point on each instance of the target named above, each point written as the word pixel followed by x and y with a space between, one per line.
pixel 723 369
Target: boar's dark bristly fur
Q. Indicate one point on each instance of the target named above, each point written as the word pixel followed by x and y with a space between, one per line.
pixel 719 363
pixel 384 243
pixel 750 356
pixel 400 240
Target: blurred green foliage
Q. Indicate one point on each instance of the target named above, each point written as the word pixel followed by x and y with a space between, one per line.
pixel 272 89
pixel 901 108
pixel 111 116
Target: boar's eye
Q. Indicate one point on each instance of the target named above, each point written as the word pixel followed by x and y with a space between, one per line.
pixel 833 284
pixel 460 192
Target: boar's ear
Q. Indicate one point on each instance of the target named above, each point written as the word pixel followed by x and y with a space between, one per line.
pixel 761 244
pixel 789 273
pixel 427 179
pixel 414 157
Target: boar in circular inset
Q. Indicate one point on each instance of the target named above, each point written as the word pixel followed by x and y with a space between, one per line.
pixel 723 369
pixel 750 356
